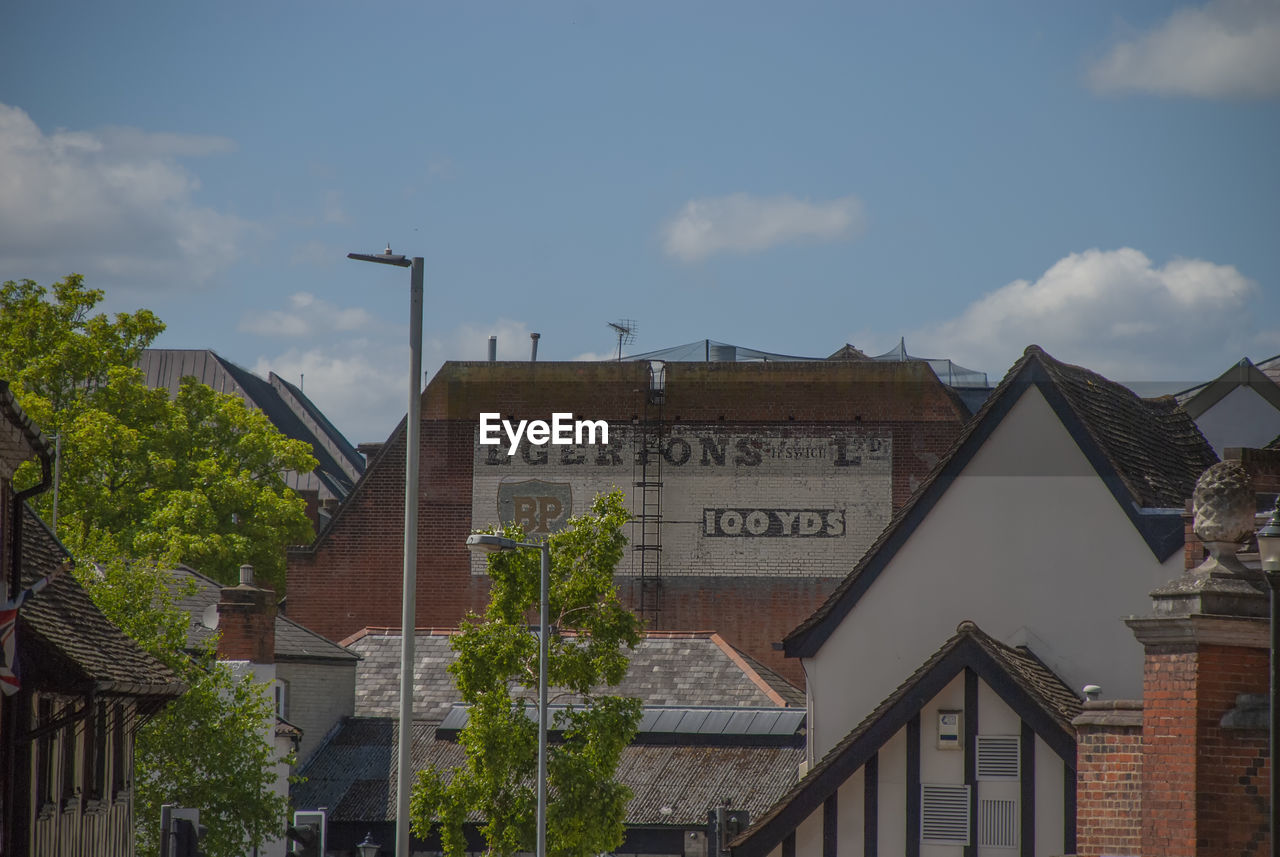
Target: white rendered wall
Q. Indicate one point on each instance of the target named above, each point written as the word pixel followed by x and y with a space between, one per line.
pixel 1049 783
pixel 1240 418
pixel 319 696
pixel 1028 543
pixel 851 808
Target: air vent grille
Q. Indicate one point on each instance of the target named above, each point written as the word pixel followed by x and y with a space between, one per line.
pixel 998 823
pixel 944 814
pixel 998 757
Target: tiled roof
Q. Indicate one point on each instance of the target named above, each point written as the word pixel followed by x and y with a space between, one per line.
pixel 355 773
pixel 195 594
pixel 691 669
pixel 1034 691
pixel 65 643
pixel 1148 451
pixel 1153 444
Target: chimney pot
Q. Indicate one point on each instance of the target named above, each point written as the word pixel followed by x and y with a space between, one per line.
pixel 246 575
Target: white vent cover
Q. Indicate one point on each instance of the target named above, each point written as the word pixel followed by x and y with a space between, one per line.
pixel 944 814
pixel 998 823
pixel 998 757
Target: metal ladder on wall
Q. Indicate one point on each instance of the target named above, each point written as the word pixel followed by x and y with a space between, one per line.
pixel 646 523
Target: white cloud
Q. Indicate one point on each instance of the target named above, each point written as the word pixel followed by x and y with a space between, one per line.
pixel 740 223
pixel 596 356
pixel 1227 48
pixel 360 382
pixel 110 204
pixel 1113 311
pixel 471 342
pixel 306 315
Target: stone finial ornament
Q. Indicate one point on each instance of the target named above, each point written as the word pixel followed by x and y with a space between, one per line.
pixel 1223 505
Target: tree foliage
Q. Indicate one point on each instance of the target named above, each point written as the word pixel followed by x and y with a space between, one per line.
pixel 496 672
pixel 146 483
pixel 207 749
pixel 196 480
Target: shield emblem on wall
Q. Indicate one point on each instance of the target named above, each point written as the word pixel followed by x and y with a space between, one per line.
pixel 540 507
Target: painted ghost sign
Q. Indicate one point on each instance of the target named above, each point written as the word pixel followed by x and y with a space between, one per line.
pixel 540 507
pixel 735 500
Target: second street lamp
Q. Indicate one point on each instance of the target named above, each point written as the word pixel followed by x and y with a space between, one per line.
pixel 481 543
pixel 409 594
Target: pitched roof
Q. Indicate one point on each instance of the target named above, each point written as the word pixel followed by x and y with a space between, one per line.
pixel 1029 687
pixel 338 463
pixel 667 668
pixel 1200 398
pixel 1148 452
pixel 66 644
pixel 354 774
pixel 196 594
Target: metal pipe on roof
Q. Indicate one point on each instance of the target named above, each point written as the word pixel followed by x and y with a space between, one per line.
pixel 533 350
pixel 493 349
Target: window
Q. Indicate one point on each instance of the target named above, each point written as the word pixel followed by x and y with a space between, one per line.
pixel 95 752
pixel 121 763
pixel 44 754
pixel 281 688
pixel 70 785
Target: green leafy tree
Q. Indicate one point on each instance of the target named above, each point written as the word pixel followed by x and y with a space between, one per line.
pixel 208 748
pixel 196 480
pixel 148 482
pixel 496 672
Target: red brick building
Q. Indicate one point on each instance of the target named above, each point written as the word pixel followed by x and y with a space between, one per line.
pixel 756 487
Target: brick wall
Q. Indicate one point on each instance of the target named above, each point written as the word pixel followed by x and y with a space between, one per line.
pixel 351 577
pixel 1204 786
pixel 1109 778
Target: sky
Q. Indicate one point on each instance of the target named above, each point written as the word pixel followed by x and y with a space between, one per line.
pixel 1099 178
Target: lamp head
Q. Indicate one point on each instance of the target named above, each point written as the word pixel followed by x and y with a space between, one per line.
pixel 485 543
pixel 1269 542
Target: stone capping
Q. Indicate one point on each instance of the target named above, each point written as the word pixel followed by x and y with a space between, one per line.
pixel 1200 629
pixel 1126 713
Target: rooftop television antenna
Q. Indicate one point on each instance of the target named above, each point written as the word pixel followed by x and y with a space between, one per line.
pixel 625 328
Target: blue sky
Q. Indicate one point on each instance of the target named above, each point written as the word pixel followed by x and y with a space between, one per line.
pixel 1099 178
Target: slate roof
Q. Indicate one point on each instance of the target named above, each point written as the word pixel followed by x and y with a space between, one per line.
pixel 355 773
pixel 66 644
pixel 1021 679
pixel 195 594
pixel 1148 452
pixel 667 668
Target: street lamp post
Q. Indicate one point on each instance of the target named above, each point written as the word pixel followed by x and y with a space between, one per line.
pixel 409 594
pixel 1269 553
pixel 481 543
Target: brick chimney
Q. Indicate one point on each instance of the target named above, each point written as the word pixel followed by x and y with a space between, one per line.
pixel 247 620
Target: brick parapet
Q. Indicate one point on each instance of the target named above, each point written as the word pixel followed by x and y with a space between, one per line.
pixel 1204 786
pixel 1109 778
